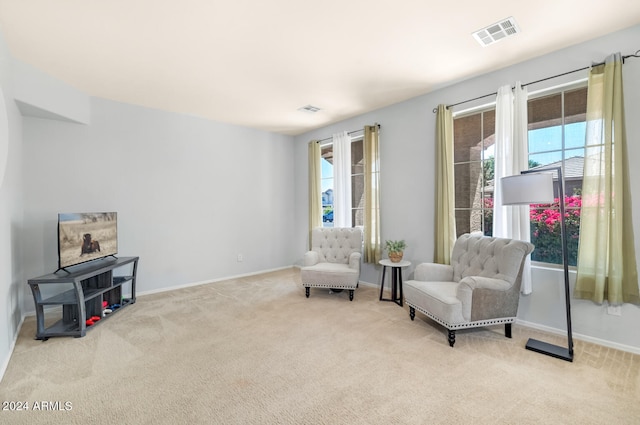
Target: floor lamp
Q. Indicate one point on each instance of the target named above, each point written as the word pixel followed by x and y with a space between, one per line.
pixel 536 187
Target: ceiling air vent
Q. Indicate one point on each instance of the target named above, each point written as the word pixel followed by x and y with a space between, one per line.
pixel 309 108
pixel 496 32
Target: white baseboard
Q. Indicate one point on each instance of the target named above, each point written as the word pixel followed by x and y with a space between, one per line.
pixel 5 364
pixel 373 285
pixel 578 336
pixel 204 282
pixel 188 285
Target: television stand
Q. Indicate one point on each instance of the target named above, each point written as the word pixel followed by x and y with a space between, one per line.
pixel 84 291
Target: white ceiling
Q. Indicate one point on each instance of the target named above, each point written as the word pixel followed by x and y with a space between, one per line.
pixel 255 62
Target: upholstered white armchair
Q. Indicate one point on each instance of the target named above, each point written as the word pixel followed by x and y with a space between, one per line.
pixel 481 287
pixel 334 260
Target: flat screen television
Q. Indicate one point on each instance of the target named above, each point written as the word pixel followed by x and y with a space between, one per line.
pixel 84 237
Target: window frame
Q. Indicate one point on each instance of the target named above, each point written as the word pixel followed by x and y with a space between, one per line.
pixel 487 107
pixel 357 136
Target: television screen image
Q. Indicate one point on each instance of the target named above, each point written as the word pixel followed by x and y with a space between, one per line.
pixel 84 237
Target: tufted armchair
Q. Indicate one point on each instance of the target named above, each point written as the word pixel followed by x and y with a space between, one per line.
pixel 334 259
pixel 481 287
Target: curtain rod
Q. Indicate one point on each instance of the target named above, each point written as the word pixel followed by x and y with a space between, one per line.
pixel 348 132
pixel 635 55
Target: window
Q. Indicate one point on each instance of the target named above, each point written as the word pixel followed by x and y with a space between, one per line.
pixel 556 133
pixel 326 153
pixel 474 138
pixel 357 183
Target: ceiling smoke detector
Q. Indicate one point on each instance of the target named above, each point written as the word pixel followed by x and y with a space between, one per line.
pixel 309 108
pixel 497 32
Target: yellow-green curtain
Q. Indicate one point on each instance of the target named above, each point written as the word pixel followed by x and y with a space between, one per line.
pixel 445 187
pixel 315 188
pixel 606 253
pixel 372 249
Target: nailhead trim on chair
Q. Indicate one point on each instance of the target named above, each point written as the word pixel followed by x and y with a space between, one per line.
pixel 327 285
pixel 466 325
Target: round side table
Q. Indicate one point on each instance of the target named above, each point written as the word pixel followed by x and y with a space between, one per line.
pixel 396 280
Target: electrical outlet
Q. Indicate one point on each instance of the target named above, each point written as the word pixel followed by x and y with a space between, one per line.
pixel 240 258
pixel 614 310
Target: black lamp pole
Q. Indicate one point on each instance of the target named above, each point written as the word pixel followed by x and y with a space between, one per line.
pixel 540 346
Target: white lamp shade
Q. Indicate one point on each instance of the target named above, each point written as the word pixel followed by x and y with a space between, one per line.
pixel 532 188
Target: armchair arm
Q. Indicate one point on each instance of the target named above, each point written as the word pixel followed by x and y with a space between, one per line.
pixel 486 298
pixel 311 258
pixel 433 272
pixel 354 260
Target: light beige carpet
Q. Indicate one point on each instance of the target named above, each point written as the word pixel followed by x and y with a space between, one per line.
pixel 256 351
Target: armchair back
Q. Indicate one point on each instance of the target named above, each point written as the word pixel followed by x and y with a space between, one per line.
pixel 478 255
pixel 335 244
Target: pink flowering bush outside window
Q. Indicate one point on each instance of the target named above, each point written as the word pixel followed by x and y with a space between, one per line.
pixel 545 229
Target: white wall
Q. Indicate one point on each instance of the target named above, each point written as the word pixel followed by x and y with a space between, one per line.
pixel 190 194
pixel 39 94
pixel 407 153
pixel 11 271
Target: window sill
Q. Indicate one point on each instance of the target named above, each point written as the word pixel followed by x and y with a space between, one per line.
pixel 552 267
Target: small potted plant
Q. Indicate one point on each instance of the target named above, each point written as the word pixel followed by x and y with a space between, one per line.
pixel 395 250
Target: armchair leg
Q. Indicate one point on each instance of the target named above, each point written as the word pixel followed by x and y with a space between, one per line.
pixel 412 313
pixel 306 291
pixel 350 294
pixel 451 337
pixel 507 330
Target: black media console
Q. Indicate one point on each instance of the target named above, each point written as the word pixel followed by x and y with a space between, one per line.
pixel 82 291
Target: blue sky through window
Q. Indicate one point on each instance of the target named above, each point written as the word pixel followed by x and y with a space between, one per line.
pixel 545 144
pixel 548 142
pixel 327 175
